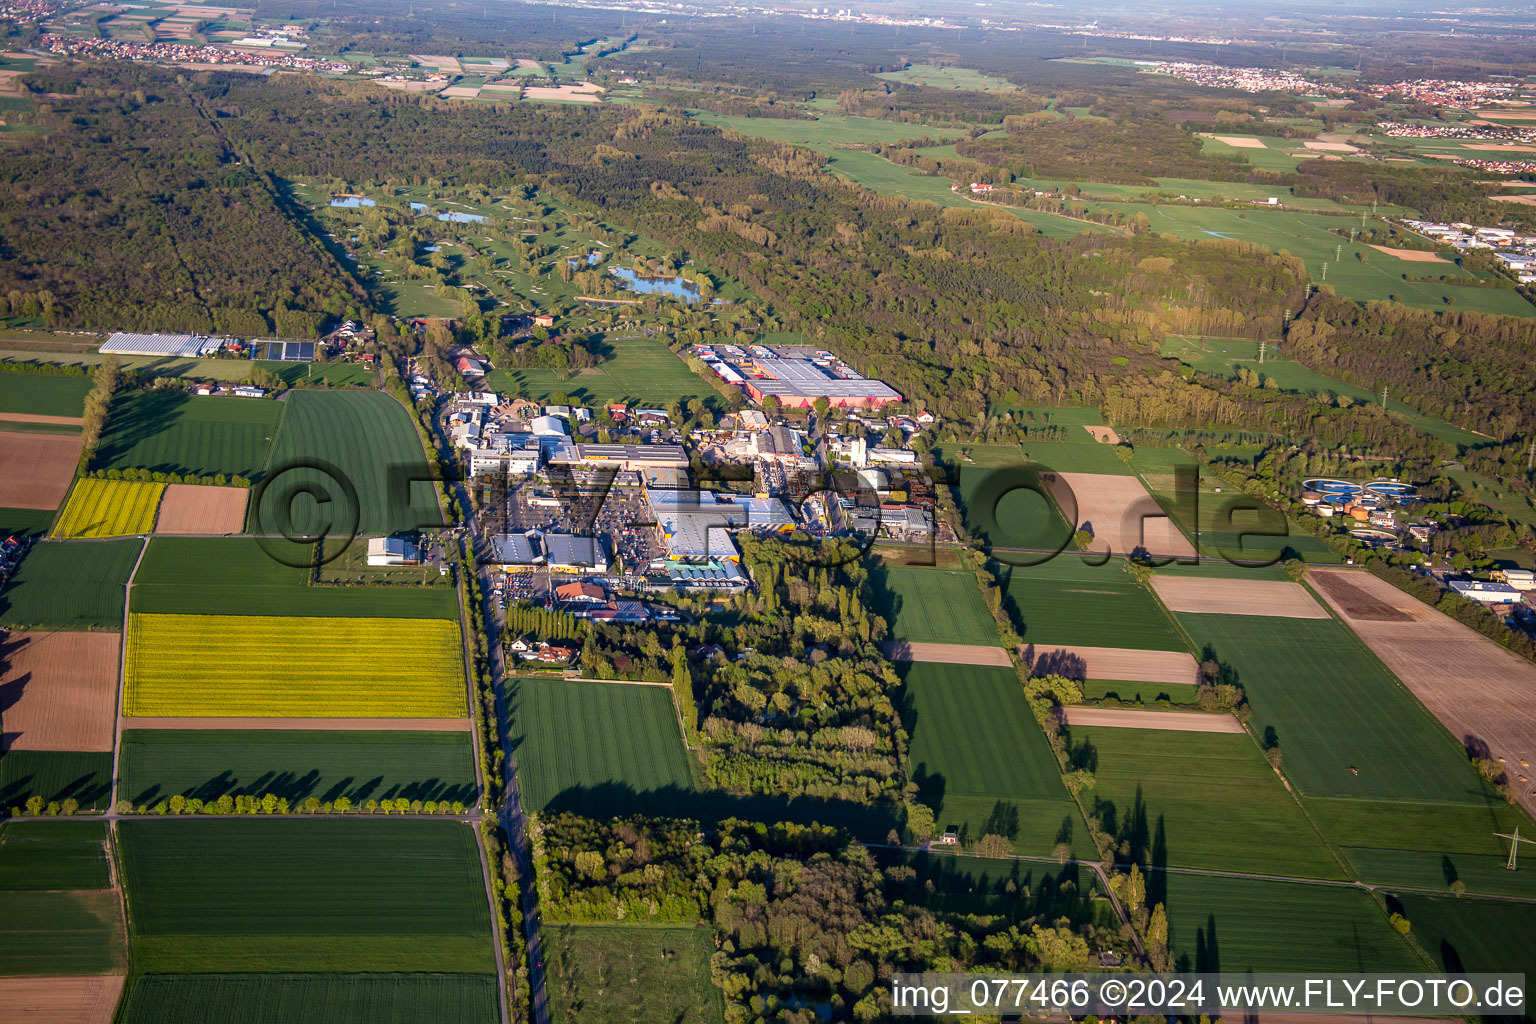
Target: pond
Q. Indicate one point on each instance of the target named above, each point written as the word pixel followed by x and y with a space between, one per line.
pixel 420 208
pixel 676 287
pixel 350 202
pixel 592 258
pixel 463 218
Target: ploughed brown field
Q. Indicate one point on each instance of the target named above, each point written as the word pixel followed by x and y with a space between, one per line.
pixel 1485 695
pixel 38 417
pixel 1237 597
pixel 1172 721
pixel 1120 513
pixel 1129 665
pixel 948 654
pixel 197 509
pixel 1410 255
pixel 81 1000
pixel 36 469
pixel 58 691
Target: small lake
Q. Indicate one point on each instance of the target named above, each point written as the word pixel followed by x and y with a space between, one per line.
pixel 350 202
pixel 420 208
pixel 592 259
pixel 676 287
pixel 462 218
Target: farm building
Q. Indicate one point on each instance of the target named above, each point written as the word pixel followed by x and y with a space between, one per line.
pixel 392 551
pixel 1485 593
pixel 192 345
pixel 572 553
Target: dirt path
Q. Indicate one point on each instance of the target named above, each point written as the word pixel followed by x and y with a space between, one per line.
pixel 948 654
pixel 1169 721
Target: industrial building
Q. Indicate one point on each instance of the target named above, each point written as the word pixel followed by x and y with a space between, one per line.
pixel 566 552
pixel 518 550
pixel 193 345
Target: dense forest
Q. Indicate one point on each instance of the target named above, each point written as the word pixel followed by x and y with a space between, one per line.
pixel 803 916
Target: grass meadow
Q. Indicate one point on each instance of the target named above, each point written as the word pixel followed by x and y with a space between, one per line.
pixel 933 605
pixel 309 999
pixel 294 894
pixel 980 759
pixel 98 509
pixel 637 370
pixel 267 576
pixel 1199 800
pixel 170 431
pixel 1332 707
pixel 297 765
pixel 69 586
pixel 1474 935
pixel 33 394
pixel 292 666
pixel 599 749
pixel 618 974
pixel 1236 925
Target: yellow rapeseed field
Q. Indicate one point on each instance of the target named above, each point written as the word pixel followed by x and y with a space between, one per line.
pixel 266 666
pixel 109 508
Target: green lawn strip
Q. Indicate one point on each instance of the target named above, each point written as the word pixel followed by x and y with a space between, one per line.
pixel 69 585
pixel 618 974
pixel 35 394
pixel 1070 601
pixel 1237 924
pixel 341 443
pixel 933 605
pixel 60 932
pixel 54 855
pixel 980 760
pixel 56 776
pixel 169 431
pixel 309 999
pixel 294 894
pixel 1332 708
pixel 1198 800
pixel 1428 845
pixel 296 765
pixel 600 749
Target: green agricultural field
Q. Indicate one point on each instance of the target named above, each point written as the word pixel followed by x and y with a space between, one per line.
pixel 1222 357
pixel 1429 845
pixel 343 443
pixel 1003 499
pixel 636 370
pixel 934 77
pixel 1069 601
pixel 1275 154
pixel 1198 800
pixel 60 933
pixel 172 432
pixel 310 999
pixel 825 133
pixel 1130 690
pixel 1078 456
pixel 1332 707
pixel 69 585
pixel 43 855
pixel 1232 527
pixel 1474 935
pixel 618 974
pixel 297 765
pixel 981 761
pixel 599 749
pixel 56 776
pixel 294 894
pixel 25 522
pixel 34 394
pixel 1236 925
pixel 932 605
pixel 331 375
pixel 1355 270
pixel 246 576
